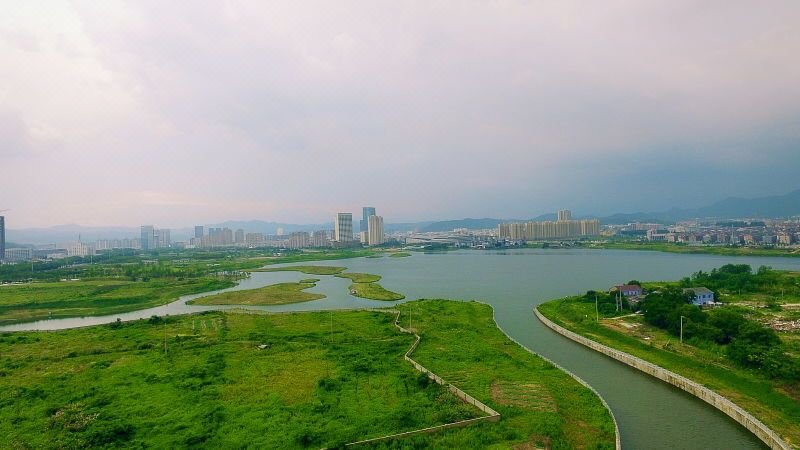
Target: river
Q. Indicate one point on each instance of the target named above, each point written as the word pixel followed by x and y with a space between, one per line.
pixel 651 414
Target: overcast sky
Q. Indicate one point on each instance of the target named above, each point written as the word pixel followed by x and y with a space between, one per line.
pixel 175 113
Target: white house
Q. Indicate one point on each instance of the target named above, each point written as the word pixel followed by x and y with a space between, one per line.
pixel 702 296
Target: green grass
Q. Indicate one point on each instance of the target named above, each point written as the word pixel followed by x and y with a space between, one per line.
pixel 309 280
pixel 323 379
pixel 313 386
pixel 275 294
pixel 34 301
pixel 697 249
pixel 399 255
pixel 777 404
pixel 374 291
pixel 308 270
pixel 356 277
pixel 541 406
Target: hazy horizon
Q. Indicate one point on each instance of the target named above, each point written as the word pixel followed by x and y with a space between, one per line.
pixel 118 114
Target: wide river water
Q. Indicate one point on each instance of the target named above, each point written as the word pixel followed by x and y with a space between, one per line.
pixel 651 414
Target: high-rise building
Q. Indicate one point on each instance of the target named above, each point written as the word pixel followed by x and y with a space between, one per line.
pixel 163 240
pixel 198 231
pixel 564 214
pixel 147 237
pixel 238 237
pixel 365 213
pixel 343 227
pixel 2 237
pixel 565 227
pixel 375 233
pixel 320 239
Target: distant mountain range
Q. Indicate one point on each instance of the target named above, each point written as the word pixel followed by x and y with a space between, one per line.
pixel 786 205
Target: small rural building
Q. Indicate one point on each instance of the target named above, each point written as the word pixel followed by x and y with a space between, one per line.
pixel 628 290
pixel 702 296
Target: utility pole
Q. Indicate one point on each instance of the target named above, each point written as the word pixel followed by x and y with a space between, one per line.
pixel 681 330
pixel 165 335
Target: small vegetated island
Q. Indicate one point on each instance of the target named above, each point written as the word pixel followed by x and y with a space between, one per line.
pixel 301 380
pixel 365 285
pixel 745 346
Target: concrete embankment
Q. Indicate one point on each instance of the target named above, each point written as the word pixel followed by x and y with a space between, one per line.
pixel 755 426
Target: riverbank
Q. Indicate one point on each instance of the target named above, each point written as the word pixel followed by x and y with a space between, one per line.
pixel 691 249
pixel 774 403
pixel 270 380
pixel 52 300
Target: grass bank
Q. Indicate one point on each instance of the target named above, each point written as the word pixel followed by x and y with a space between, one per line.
pixel 275 294
pixel 305 380
pixel 308 270
pixel 541 406
pixel 696 249
pixel 775 403
pixel 35 301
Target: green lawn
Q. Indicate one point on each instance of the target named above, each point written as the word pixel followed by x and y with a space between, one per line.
pixel 399 255
pixel 777 404
pixel 322 379
pixel 34 301
pixel 275 294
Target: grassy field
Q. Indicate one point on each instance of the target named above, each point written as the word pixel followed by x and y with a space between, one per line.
pixel 320 380
pixel 374 291
pixel 34 301
pixel 775 403
pixel 356 277
pixel 308 270
pixel 275 294
pixel 697 249
pixel 399 255
pixel 541 406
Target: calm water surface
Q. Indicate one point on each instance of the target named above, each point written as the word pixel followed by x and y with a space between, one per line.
pixel 651 414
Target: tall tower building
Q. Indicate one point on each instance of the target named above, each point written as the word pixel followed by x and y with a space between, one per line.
pixel 564 214
pixel 2 237
pixel 238 237
pixel 198 232
pixel 146 241
pixel 365 213
pixel 343 227
pixel 375 233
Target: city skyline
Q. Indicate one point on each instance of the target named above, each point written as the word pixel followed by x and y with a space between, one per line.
pixel 536 104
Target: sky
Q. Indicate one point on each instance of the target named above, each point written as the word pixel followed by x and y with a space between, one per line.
pixel 184 112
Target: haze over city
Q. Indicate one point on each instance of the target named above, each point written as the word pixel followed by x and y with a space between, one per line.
pixel 118 113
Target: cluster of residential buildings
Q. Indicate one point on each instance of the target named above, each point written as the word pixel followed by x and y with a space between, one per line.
pixel 371 228
pixel 562 228
pixel 739 232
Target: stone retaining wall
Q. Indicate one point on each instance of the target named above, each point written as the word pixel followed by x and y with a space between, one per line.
pixel 755 426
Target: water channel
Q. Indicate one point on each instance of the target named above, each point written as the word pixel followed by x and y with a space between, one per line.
pixel 651 414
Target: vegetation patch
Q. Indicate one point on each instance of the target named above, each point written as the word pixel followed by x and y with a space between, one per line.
pixel 374 291
pixel 356 277
pixel 226 380
pixel 37 300
pixel 399 255
pixel 730 349
pixel 275 294
pixel 540 405
pixel 309 270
